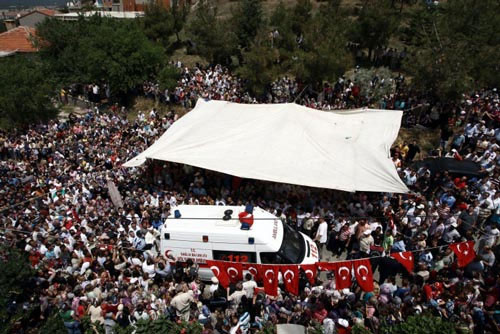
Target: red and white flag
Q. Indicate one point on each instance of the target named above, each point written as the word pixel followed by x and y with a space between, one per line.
pixel 326 266
pixel 406 259
pixel 253 269
pixel 363 273
pixel 246 217
pixel 270 279
pixel 219 271
pixel 310 271
pixel 343 274
pixel 464 251
pixel 234 271
pixel 290 274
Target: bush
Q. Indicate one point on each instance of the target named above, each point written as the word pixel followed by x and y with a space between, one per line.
pixel 420 324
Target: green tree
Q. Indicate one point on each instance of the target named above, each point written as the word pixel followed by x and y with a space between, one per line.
pixel 421 324
pixel 15 285
pixel 168 77
pixel 216 44
pixel 375 25
pixel 258 68
pixel 284 39
pixel 179 12
pixel 248 19
pixel 323 54
pixel 53 324
pixel 454 47
pixel 99 49
pixel 26 94
pixel 301 16
pixel 157 23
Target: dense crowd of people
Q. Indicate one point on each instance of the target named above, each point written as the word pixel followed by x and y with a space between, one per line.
pixel 95 258
pixel 218 83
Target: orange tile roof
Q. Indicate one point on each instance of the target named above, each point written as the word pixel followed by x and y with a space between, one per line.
pixel 18 39
pixel 44 11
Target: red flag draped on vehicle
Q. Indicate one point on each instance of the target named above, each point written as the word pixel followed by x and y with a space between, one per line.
pixel 343 274
pixel 464 251
pixel 406 259
pixel 234 271
pixel 310 271
pixel 270 279
pixel 290 275
pixel 363 273
pixel 219 271
pixel 253 269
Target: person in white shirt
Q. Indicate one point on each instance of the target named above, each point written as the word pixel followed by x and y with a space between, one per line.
pixel 236 296
pixel 490 236
pixel 322 236
pixel 451 235
pixel 249 286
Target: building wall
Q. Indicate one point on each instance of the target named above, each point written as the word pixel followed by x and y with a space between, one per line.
pixel 139 5
pixel 32 19
pixel 128 5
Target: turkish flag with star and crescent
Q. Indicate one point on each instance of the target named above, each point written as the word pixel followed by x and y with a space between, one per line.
pixel 406 259
pixel 342 274
pixel 290 274
pixel 234 271
pixel 219 271
pixel 363 274
pixel 253 269
pixel 464 251
pixel 270 279
pixel 310 271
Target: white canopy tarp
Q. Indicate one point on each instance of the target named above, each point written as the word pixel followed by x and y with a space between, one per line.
pixel 287 143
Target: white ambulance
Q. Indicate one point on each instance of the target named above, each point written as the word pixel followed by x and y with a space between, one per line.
pixel 202 233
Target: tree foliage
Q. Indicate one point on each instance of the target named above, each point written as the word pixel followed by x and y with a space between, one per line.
pixel 99 49
pixel 454 47
pixel 179 12
pixel 216 44
pixel 248 19
pixel 323 55
pixel 376 24
pixel 26 93
pixel 157 23
pixel 15 288
pixel 421 324
pixel 168 77
pixel 258 68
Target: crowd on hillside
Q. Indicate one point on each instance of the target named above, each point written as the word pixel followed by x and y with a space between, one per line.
pixel 218 83
pixel 94 258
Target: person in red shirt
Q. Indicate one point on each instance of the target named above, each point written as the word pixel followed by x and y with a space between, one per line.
pixel 433 291
pixel 343 326
pixel 460 183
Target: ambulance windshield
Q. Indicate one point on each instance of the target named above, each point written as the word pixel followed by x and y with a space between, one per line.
pixel 292 249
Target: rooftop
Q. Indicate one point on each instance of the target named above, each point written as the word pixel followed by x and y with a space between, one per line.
pixel 114 15
pixel 17 40
pixel 44 11
pixel 207 220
